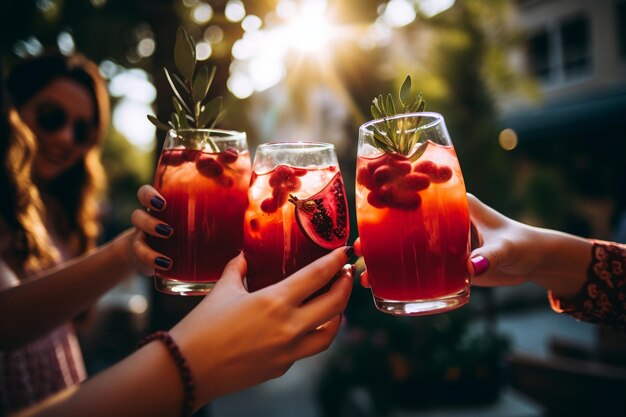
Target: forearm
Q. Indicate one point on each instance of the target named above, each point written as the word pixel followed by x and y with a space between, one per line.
pixel 601 299
pixel 147 383
pixel 564 260
pixel 38 305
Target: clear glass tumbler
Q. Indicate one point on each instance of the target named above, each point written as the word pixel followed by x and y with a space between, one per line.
pixel 297 210
pixel 412 215
pixel 204 176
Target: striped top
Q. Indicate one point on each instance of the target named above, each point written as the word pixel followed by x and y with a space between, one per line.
pixel 43 367
pixel 40 369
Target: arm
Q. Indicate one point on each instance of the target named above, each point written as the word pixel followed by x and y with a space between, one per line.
pixel 584 278
pixel 603 297
pixel 37 305
pixel 232 340
pixel 510 253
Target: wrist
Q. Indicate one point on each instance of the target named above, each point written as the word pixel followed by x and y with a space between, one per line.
pixel 186 376
pixel 121 248
pixel 563 262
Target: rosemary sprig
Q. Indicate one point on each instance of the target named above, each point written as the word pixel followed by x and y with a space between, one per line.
pixel 192 108
pixel 399 135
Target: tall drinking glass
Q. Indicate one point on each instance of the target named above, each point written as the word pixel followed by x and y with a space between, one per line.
pixel 413 216
pixel 297 210
pixel 204 175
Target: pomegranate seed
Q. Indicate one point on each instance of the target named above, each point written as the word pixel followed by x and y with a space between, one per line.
pixel 364 177
pixel 426 167
pixel 280 175
pixel 228 156
pixel 269 205
pixel 415 182
pixel 172 157
pixel 209 167
pixel 279 195
pixel 383 175
pixel 374 200
pixel 443 174
pixel 190 154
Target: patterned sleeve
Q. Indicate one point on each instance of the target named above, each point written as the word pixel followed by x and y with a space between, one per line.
pixel 603 297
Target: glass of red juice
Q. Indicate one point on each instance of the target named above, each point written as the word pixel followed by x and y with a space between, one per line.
pixel 204 175
pixel 297 210
pixel 412 216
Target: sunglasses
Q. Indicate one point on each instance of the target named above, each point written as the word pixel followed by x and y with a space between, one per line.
pixel 51 118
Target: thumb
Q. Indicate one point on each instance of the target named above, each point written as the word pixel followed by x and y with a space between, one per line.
pixel 234 273
pixel 483 259
pixel 365 279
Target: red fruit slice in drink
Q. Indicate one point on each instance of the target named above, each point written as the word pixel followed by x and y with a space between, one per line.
pixel 323 217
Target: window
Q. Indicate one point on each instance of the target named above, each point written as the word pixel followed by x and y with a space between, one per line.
pixel 538 55
pixel 621 27
pixel 562 50
pixel 576 46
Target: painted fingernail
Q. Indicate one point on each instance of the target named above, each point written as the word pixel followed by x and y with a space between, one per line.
pixel 162 262
pixel 480 264
pixel 349 251
pixel 157 202
pixel 353 270
pixel 163 229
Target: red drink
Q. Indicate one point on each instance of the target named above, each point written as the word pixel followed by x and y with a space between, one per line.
pixel 413 221
pixel 206 194
pixel 294 216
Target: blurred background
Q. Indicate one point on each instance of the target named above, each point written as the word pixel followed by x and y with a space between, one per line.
pixel 534 96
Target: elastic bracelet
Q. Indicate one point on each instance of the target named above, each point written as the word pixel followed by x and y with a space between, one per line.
pixel 189 385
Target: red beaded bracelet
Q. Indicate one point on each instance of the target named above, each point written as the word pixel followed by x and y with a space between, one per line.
pixel 189 385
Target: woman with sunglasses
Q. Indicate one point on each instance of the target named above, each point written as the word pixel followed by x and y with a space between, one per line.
pixel 50 272
pixel 63 104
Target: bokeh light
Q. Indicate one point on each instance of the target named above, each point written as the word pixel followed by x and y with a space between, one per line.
pixel 508 139
pixel 399 13
pixel 202 13
pixel 213 34
pixel 65 42
pixel 234 11
pixel 251 22
pixel 146 47
pixel 203 51
pixel 430 8
pixel 135 94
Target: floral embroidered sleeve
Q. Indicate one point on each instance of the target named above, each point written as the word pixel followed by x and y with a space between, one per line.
pixel 603 297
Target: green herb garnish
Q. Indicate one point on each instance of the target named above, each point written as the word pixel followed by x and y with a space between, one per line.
pixel 192 108
pixel 399 135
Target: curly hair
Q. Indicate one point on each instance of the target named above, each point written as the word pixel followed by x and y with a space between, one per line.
pixel 30 248
pixel 77 190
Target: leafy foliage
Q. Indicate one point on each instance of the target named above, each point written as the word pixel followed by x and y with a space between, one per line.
pixel 192 108
pixel 399 135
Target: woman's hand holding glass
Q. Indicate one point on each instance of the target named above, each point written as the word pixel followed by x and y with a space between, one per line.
pixel 506 252
pixel 235 339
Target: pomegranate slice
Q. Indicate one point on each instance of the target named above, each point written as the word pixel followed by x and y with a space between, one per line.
pixel 323 217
